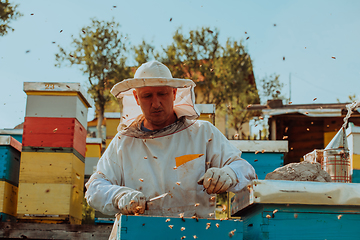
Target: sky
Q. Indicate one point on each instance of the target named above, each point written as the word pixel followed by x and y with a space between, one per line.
pixel 319 41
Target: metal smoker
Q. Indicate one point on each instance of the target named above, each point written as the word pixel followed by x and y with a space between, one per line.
pixel 337 158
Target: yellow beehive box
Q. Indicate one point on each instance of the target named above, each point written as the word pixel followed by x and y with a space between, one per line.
pixel 112 122
pixel 93 147
pixel 50 167
pixel 356 161
pixel 93 153
pixel 8 198
pixel 50 202
pixel 207 112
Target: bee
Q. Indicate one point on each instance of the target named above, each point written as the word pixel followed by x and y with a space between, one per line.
pixel 268 216
pixel 217 225
pixel 275 211
pixel 167 220
pixel 171 226
pixel 141 180
pixel 339 216
pixel 210 139
pixel 178 183
pixel 197 204
pixel 182 229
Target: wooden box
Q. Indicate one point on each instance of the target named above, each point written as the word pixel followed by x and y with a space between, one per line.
pixel 47 167
pixel 264 156
pixel 50 203
pixel 93 153
pixel 58 89
pixel 154 228
pixel 15 133
pixel 356 176
pixel 54 150
pixel 10 151
pixel 112 122
pixel 93 147
pixel 207 112
pixel 55 132
pixel 8 201
pixel 275 209
pixel 57 106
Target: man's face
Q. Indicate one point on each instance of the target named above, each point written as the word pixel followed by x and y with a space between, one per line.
pixel 157 105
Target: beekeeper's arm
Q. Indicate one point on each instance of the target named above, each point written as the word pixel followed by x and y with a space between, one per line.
pixel 104 190
pixel 227 170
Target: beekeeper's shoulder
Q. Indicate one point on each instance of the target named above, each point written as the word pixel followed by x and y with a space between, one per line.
pixel 203 125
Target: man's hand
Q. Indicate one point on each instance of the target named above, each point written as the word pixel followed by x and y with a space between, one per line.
pixel 130 202
pixel 218 180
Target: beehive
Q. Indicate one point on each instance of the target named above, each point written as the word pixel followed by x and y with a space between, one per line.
pixel 264 156
pixel 15 133
pixel 353 138
pixel 276 209
pixel 50 203
pixel 112 122
pixel 8 201
pixel 57 100
pixel 54 144
pixel 10 150
pixel 207 112
pixel 54 133
pixel 153 228
pixel 93 153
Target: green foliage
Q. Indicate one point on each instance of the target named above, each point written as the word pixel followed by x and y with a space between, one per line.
pixel 144 53
pixel 351 98
pixel 7 13
pixel 100 51
pixel 271 88
pixel 224 74
pixel 193 56
pixel 237 88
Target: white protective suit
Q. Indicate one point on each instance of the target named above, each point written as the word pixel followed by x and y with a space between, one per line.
pixel 166 161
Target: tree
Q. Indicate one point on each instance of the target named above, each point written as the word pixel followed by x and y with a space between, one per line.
pixel 271 88
pixel 193 57
pixel 224 75
pixel 7 13
pixel 100 51
pixel 144 53
pixel 237 88
pixel 351 98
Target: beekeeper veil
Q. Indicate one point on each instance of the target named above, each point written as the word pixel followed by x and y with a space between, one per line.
pixel 153 74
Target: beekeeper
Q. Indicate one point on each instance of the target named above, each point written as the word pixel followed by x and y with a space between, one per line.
pixel 162 148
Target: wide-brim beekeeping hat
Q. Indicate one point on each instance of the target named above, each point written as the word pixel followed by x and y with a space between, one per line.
pixel 152 74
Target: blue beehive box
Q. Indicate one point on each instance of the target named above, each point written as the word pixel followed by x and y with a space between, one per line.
pixel 287 210
pixel 10 150
pixel 15 133
pixel 151 228
pixel 265 155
